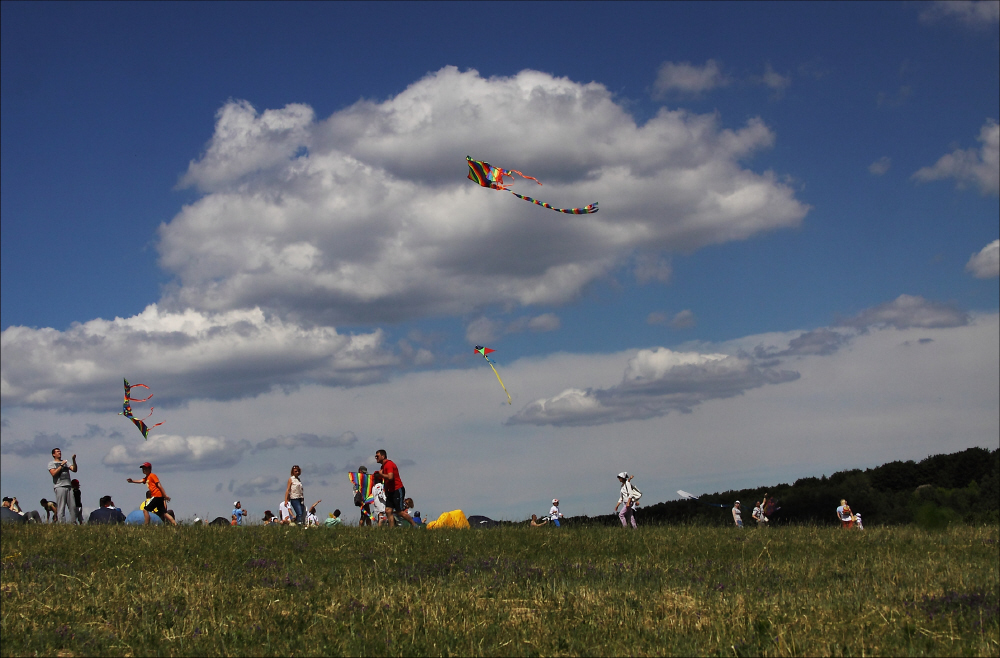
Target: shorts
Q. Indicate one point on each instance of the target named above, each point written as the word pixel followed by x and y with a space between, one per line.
pixel 158 507
pixel 394 499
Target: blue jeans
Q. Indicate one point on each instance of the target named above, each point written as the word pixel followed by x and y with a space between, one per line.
pixel 300 509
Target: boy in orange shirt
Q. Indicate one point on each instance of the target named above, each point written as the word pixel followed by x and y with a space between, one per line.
pixel 158 503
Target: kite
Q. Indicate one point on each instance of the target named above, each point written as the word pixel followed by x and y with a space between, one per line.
pixel 484 351
pixel 684 494
pixel 363 483
pixel 492 177
pixel 127 409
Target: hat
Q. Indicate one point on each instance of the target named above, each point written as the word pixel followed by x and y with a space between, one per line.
pixel 235 503
pixel 555 500
pixel 623 475
pixel 145 464
pixel 75 482
pixel 737 502
pixel 362 469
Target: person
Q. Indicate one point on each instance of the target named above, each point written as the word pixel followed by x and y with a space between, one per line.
pixel 378 504
pixel 106 514
pixel 294 495
pixel 239 512
pixel 845 515
pixel 59 469
pixel 413 515
pixel 737 515
pixel 285 512
pixel 857 521
pixel 626 500
pixel 554 513
pixel 395 492
pixel 50 509
pixel 14 506
pixel 8 514
pixel 158 503
pixel 538 523
pixel 311 518
pixel 77 502
pixel 269 517
pixel 417 519
pixel 333 520
pixel 359 501
pixel 232 520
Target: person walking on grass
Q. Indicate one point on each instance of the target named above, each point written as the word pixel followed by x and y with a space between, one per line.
pixel 626 500
pixel 554 513
pixel 62 485
pixel 395 492
pixel 158 503
pixel 294 495
pixel 845 515
pixel 737 515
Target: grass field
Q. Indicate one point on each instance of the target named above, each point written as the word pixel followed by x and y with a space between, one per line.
pixel 666 590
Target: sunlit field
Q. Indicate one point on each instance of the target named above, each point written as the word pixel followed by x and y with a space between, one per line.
pixel 662 590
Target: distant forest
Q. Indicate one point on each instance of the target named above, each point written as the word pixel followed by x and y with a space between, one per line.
pixel 960 487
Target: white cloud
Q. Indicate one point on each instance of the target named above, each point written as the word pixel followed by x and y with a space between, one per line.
pixel 656 317
pixel 262 484
pixel 652 267
pixel 656 382
pixel 986 263
pixel 688 78
pixel 684 320
pixel 969 166
pixel 345 440
pixel 880 166
pixel 182 356
pixel 908 311
pixel 371 218
pixel 544 322
pixel 774 80
pixel 977 14
pixel 483 330
pixel 168 452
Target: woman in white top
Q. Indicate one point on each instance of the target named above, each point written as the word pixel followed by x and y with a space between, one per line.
pixel 737 514
pixel 628 497
pixel 294 495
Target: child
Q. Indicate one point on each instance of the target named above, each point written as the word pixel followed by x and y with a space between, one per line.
pixel 554 513
pixel 158 502
pixel 77 502
pixel 857 521
pixel 50 509
pixel 232 521
pixel 378 505
pixel 333 520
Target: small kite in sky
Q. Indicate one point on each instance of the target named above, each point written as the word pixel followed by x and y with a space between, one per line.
pixel 492 177
pixel 127 409
pixel 484 351
pixel 684 494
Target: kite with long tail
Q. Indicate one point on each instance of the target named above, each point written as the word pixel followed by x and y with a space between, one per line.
pixel 363 483
pixel 492 177
pixel 684 494
pixel 484 351
pixel 127 409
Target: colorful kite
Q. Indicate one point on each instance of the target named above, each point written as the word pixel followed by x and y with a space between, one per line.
pixel 492 177
pixel 127 409
pixel 484 351
pixel 363 482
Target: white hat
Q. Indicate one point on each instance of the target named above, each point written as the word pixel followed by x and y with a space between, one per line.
pixel 235 503
pixel 555 500
pixel 737 502
pixel 623 475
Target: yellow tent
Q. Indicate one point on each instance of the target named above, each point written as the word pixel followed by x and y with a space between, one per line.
pixel 453 519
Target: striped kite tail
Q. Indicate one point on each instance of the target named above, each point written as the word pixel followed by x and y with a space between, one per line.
pixel 586 210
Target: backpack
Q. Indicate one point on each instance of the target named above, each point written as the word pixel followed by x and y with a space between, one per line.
pixel 358 500
pixel 636 494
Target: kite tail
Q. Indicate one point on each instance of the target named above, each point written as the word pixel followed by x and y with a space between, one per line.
pixel 515 171
pixel 500 380
pixel 586 210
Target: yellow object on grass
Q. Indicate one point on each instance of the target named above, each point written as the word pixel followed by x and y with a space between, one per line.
pixel 453 519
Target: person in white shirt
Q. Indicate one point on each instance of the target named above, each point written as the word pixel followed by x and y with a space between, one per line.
pixel 857 521
pixel 737 514
pixel 626 500
pixel 285 512
pixel 378 505
pixel 845 515
pixel 554 513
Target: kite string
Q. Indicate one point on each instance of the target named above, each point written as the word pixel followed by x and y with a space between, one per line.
pixel 499 380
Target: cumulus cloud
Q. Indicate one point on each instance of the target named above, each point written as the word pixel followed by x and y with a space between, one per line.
pixel 366 216
pixel 262 484
pixel 483 330
pixel 167 452
pixel 42 444
pixel 986 263
pixel 908 311
pixel 652 267
pixel 880 166
pixel 971 166
pixel 688 78
pixel 345 440
pixel 684 320
pixel 773 80
pixel 820 342
pixel 971 13
pixel 183 355
pixel 655 382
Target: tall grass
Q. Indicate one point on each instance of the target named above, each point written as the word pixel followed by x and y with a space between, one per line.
pixel 505 591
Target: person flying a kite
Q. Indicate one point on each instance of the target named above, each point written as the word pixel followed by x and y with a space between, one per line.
pixel 484 351
pixel 492 177
pixel 127 409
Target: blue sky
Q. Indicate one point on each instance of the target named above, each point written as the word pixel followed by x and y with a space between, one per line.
pixel 261 211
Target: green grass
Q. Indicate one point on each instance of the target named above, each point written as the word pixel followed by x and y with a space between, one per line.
pixel 663 590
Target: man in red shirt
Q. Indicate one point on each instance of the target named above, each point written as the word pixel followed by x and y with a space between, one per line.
pixel 158 503
pixel 395 492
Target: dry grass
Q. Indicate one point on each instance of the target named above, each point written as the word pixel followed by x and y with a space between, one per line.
pixel 507 591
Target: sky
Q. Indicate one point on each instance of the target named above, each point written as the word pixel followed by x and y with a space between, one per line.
pixel 261 211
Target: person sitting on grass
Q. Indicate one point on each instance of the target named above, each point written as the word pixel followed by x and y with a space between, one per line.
pixel 333 520
pixel 538 523
pixel 49 507
pixel 106 514
pixel 269 517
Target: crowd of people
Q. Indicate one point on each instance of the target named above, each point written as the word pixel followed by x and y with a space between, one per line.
pixel 387 504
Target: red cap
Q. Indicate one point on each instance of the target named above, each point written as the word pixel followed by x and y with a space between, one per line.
pixel 145 464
